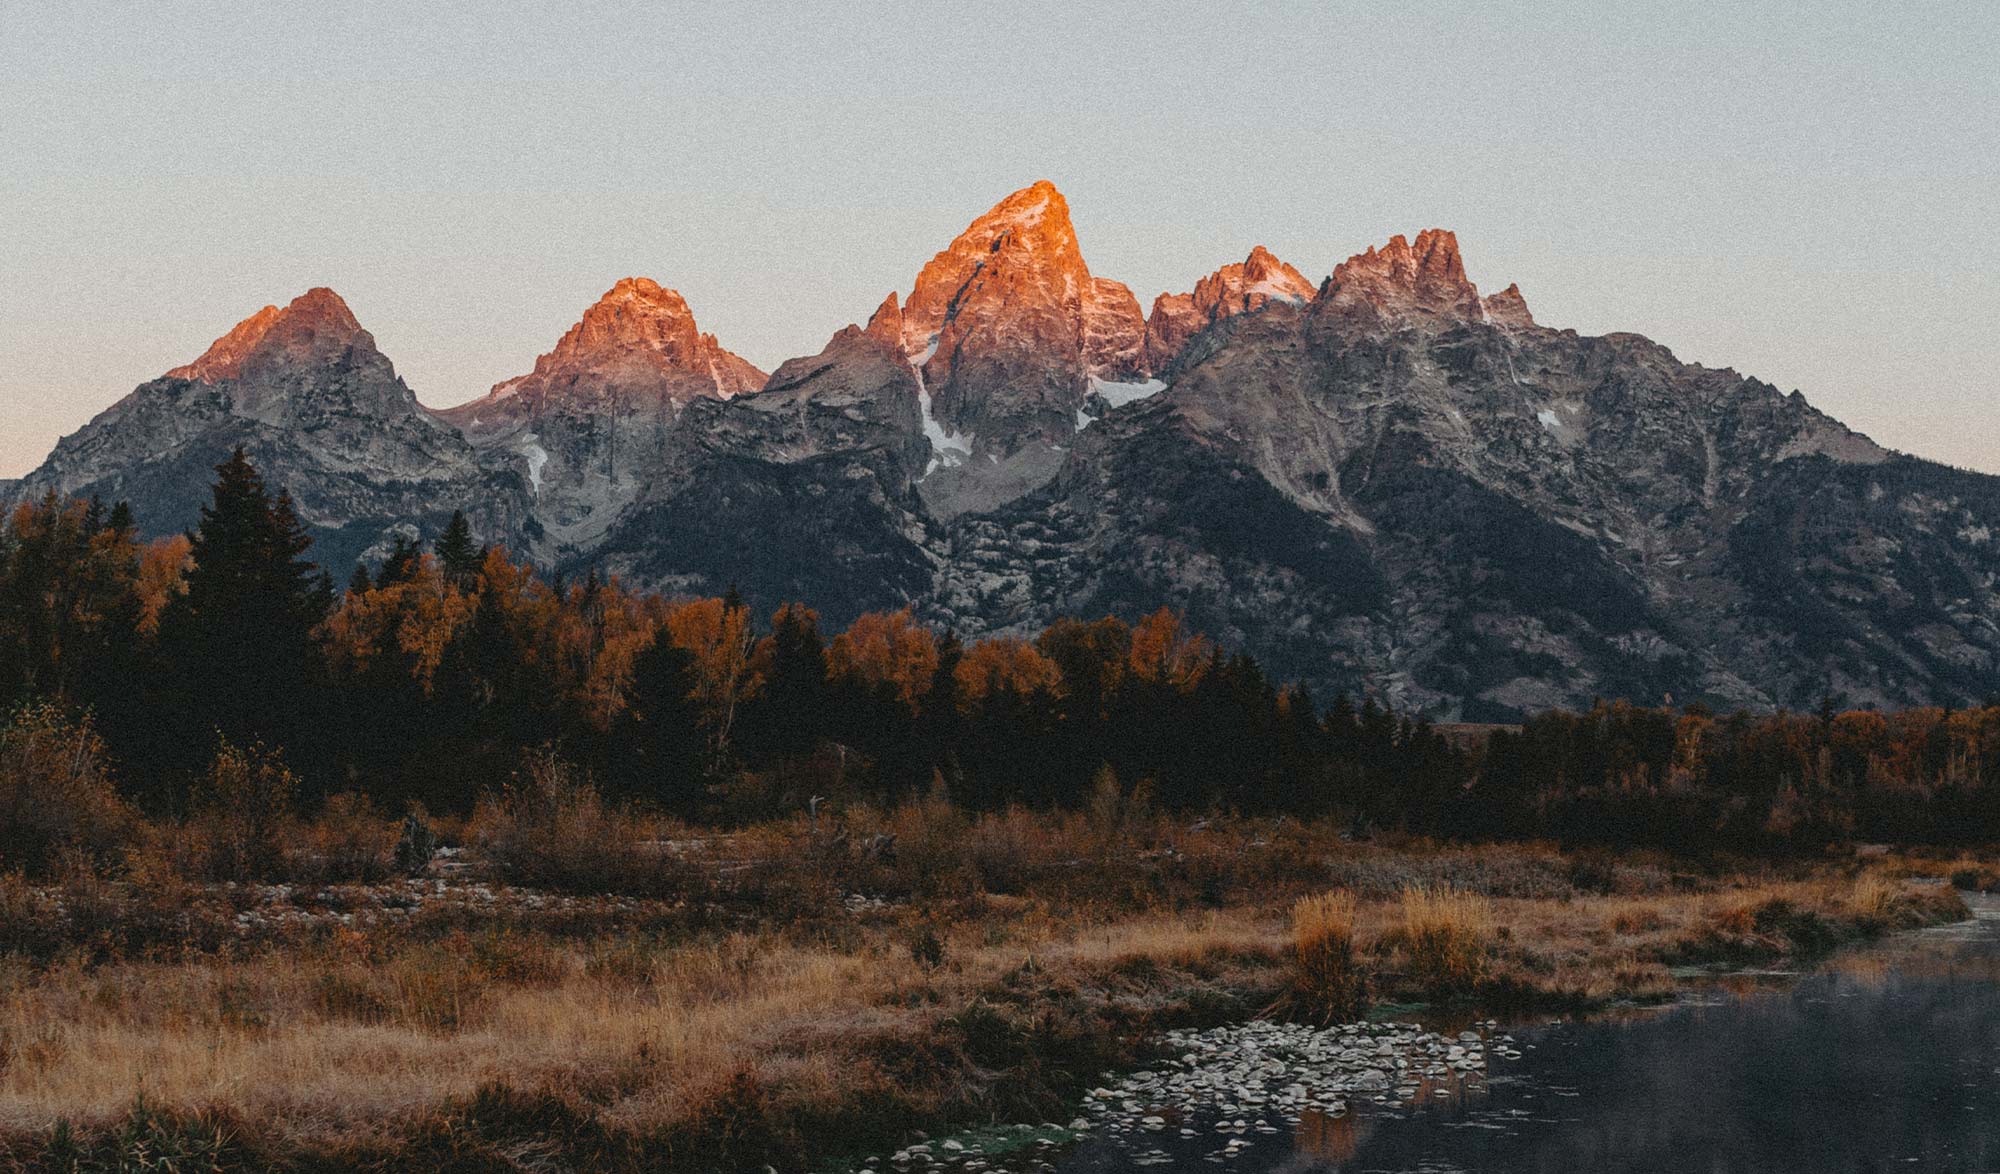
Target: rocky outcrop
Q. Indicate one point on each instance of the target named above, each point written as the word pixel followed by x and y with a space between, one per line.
pixel 805 491
pixel 589 428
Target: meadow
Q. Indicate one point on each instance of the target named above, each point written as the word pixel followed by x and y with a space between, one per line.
pixel 566 982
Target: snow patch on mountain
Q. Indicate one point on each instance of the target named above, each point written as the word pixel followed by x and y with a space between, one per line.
pixel 948 449
pixel 537 457
pixel 1120 394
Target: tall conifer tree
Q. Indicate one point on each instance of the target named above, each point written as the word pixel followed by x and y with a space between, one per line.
pixel 240 643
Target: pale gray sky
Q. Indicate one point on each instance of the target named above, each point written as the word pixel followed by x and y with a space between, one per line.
pixel 1805 192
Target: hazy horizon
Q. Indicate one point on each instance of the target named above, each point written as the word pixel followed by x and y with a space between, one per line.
pixel 1802 193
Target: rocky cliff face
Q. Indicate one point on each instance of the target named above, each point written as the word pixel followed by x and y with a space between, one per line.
pixel 1404 488
pixel 590 427
pixel 1007 326
pixel 1386 483
pixel 804 491
pixel 320 411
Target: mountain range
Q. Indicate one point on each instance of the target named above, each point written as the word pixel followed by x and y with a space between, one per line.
pixel 1382 482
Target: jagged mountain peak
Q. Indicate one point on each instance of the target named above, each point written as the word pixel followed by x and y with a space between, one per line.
pixel 1026 209
pixel 636 347
pixel 887 320
pixel 1425 276
pixel 1235 288
pixel 1508 308
pixel 1028 236
pixel 1433 259
pixel 1007 327
pixel 1264 274
pixel 315 321
pixel 639 314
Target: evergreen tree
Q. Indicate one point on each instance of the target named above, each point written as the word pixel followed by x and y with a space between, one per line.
pixel 240 645
pixel 790 716
pixel 661 743
pixel 457 554
pixel 401 565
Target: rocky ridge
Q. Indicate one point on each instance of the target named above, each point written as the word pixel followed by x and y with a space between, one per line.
pixel 1385 483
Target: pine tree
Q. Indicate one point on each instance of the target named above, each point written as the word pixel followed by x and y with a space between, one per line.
pixel 789 717
pixel 460 557
pixel 662 745
pixel 401 565
pixel 240 642
pixel 359 583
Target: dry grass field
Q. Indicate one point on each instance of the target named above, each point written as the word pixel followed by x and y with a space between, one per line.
pixel 574 985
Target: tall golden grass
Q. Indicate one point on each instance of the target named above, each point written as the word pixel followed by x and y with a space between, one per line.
pixel 1445 933
pixel 1328 985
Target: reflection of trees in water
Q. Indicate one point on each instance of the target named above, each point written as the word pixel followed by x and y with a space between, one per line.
pixel 1332 1140
pixel 1858 1068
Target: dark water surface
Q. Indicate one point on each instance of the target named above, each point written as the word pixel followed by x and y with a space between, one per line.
pixel 1887 1059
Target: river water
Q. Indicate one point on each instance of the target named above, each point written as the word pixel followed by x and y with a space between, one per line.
pixel 1885 1059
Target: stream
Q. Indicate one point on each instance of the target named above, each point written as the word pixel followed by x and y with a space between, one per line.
pixel 1885 1058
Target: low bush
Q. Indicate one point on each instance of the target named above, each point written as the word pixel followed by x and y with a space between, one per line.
pixel 552 828
pixel 242 814
pixel 56 796
pixel 350 841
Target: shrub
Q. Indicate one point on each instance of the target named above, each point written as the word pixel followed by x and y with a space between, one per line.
pixel 1445 931
pixel 243 806
pixel 1328 983
pixel 1877 902
pixel 930 845
pixel 416 844
pixel 552 828
pixel 56 797
pixel 350 841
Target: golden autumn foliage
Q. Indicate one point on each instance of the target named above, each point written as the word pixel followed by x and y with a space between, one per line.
pixel 886 648
pixel 1166 651
pixel 163 567
pixel 590 641
pixel 1001 664
pixel 720 639
pixel 68 576
pixel 418 618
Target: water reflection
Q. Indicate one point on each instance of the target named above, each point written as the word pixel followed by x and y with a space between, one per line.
pixel 1887 1059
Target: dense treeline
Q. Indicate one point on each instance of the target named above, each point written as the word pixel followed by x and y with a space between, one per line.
pixel 1691 780
pixel 428 676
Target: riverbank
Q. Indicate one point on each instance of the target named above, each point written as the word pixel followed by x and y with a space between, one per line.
pixel 795 993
